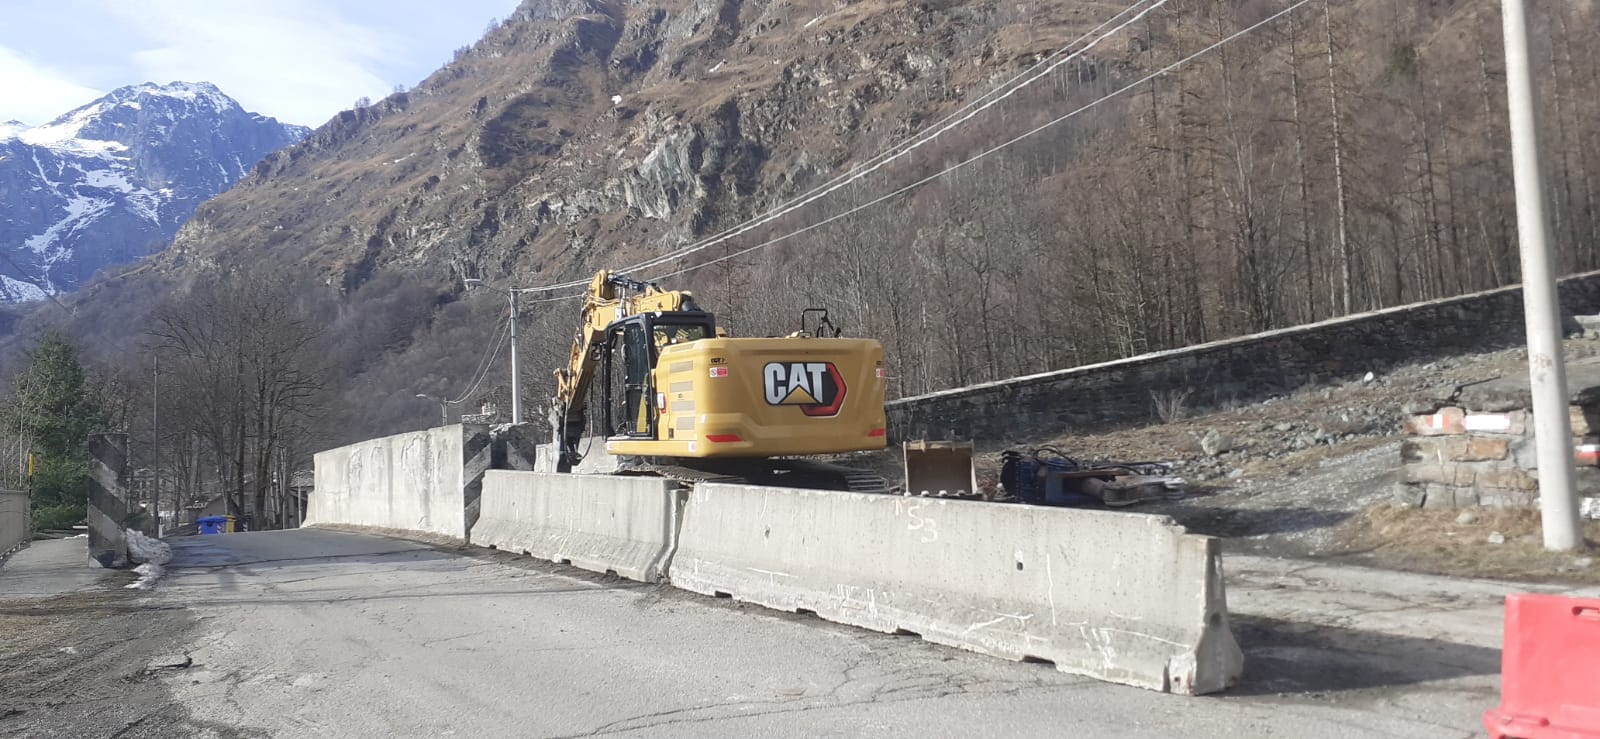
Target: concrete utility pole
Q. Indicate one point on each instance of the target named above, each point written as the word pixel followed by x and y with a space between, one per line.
pixel 1547 368
pixel 155 442
pixel 516 390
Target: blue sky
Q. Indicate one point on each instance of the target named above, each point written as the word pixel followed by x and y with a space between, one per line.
pixel 300 61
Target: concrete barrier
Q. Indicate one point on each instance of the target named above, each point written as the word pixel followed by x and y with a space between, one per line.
pixel 427 481
pixel 16 521
pixel 625 525
pixel 1127 598
pixel 109 510
pixel 596 460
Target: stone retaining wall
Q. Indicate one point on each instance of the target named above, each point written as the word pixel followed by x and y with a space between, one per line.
pixel 1242 370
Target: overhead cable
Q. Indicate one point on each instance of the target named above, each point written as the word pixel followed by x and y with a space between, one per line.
pixel 1163 71
pixel 998 147
pixel 487 363
pixel 961 115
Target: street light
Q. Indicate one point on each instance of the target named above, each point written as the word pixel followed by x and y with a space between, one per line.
pixel 444 408
pixel 516 392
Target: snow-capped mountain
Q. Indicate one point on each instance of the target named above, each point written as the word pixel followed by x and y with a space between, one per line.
pixel 111 181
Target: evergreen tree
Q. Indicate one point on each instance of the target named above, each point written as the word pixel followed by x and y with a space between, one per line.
pixel 57 412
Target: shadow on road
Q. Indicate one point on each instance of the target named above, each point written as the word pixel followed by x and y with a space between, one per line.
pixel 1238 522
pixel 412 594
pixel 1287 657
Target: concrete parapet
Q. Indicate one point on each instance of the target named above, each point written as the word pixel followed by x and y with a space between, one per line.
pixel 421 481
pixel 626 525
pixel 16 521
pixel 1127 598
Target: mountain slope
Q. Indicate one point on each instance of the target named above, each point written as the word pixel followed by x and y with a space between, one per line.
pixel 515 158
pixel 113 180
pixel 1347 156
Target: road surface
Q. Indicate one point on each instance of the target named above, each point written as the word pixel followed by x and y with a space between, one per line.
pixel 48 567
pixel 318 632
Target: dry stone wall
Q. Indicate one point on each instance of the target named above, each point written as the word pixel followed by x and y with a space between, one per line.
pixel 1478 447
pixel 1247 369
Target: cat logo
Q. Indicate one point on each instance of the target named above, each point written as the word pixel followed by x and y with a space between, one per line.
pixel 817 387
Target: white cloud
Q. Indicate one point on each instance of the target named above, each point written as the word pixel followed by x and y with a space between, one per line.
pixel 34 94
pixel 296 60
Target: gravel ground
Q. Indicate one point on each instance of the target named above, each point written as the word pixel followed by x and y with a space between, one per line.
pixel 85 662
pixel 1313 475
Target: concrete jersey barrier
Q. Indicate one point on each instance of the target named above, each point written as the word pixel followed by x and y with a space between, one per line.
pixel 421 481
pixel 1127 598
pixel 625 525
pixel 108 510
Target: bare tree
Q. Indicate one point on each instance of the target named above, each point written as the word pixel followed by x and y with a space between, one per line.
pixel 244 351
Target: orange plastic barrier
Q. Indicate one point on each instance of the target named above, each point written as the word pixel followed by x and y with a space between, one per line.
pixel 1549 670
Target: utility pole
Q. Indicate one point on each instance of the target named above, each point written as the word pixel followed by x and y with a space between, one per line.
pixel 516 389
pixel 155 442
pixel 1547 368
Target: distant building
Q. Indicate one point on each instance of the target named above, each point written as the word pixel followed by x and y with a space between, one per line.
pixel 489 412
pixel 294 501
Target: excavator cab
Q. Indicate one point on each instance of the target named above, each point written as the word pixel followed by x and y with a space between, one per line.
pixel 632 351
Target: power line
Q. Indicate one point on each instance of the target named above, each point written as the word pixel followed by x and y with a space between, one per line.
pixel 487 363
pixel 999 147
pixel 500 328
pixel 961 115
pixel 1169 68
pixel 911 145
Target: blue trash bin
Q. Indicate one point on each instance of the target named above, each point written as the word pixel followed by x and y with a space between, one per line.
pixel 212 524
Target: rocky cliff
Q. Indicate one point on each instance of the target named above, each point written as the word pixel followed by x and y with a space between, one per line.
pixel 581 133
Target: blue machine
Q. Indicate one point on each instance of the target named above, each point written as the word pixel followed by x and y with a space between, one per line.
pixel 1045 476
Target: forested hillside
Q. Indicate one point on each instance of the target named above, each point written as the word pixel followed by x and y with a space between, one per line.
pixel 1118 178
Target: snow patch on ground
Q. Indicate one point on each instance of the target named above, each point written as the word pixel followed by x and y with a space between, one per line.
pixel 148 575
pixel 63 129
pixel 153 554
pixel 18 291
pixel 109 179
pixel 90 148
pixel 143 548
pixel 80 212
pixel 147 204
pixel 203 93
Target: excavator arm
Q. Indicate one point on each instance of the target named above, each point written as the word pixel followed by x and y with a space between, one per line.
pixel 610 298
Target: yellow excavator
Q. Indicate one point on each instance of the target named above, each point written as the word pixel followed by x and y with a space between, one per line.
pixel 675 395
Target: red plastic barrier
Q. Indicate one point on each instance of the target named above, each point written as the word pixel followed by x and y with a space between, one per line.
pixel 1549 670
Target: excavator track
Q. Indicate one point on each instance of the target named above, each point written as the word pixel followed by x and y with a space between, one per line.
pixel 786 473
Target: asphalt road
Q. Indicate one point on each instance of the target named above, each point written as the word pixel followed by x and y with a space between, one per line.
pixel 48 567
pixel 326 633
